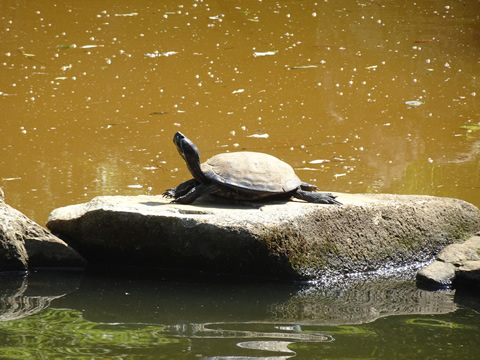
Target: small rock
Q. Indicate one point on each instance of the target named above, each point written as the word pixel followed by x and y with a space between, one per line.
pixel 462 259
pixel 437 274
pixel 458 254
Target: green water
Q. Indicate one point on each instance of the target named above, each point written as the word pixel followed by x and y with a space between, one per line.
pixel 78 316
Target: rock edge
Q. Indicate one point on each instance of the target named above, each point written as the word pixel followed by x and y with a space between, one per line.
pixel 26 245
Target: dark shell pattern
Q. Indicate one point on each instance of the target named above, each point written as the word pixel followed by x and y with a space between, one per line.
pixel 251 171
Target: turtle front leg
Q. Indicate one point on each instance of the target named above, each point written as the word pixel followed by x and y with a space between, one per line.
pixel 181 189
pixel 307 187
pixel 195 193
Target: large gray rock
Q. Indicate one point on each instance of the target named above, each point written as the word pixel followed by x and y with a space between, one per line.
pixel 295 240
pixel 455 265
pixel 13 256
pixel 24 244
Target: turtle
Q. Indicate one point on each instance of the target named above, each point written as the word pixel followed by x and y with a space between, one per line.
pixel 242 175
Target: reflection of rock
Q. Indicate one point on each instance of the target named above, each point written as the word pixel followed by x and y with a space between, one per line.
pixel 362 301
pixel 468 297
pixel 25 244
pixel 287 240
pixel 192 300
pixel 456 264
pixel 22 295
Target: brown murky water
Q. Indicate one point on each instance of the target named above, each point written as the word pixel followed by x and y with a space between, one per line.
pixel 359 96
pixel 92 92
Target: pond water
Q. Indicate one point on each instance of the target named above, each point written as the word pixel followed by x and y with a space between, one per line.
pixel 80 316
pixel 358 96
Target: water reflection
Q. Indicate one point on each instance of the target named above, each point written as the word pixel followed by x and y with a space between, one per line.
pixel 273 346
pixel 22 295
pixel 170 315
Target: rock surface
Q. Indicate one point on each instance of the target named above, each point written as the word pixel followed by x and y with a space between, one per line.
pixel 24 244
pixel 455 265
pixel 292 240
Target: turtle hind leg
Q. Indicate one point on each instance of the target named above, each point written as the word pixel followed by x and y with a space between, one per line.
pixel 308 187
pixel 195 193
pixel 316 197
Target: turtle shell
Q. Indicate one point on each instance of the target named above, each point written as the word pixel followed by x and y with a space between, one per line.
pixel 251 172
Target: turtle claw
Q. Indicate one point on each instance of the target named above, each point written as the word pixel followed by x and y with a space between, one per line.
pixel 317 197
pixel 169 193
pixel 329 199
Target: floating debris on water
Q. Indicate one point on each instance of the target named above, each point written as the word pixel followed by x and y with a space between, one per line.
pixel 421 41
pixel 129 14
pixel 259 136
pixel 414 103
pixel 72 46
pixel 470 127
pixel 135 186
pixel 307 169
pixel 156 53
pixel 22 51
pixel 90 46
pixel 264 53
pixel 303 67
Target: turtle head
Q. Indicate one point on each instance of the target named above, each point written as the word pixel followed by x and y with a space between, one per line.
pixel 186 148
pixel 189 152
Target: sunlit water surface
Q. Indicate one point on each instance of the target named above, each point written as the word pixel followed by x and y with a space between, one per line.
pixel 358 96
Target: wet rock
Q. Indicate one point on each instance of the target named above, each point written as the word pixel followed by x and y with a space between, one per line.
pixel 456 265
pixel 437 274
pixel 24 244
pixel 295 240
